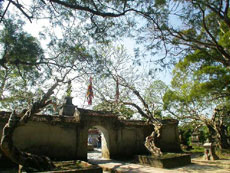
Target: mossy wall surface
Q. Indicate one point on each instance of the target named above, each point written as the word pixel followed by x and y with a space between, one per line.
pixel 167 162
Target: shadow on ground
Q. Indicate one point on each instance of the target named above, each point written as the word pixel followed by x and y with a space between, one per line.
pixel 198 165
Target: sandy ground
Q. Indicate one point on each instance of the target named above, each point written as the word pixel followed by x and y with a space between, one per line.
pixel 198 165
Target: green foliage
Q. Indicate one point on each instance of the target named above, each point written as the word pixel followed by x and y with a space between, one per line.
pixel 19 48
pixel 223 153
pixel 182 27
pixel 154 97
pixel 202 75
pixel 197 149
pixel 69 89
pixel 160 2
pixel 185 132
pixel 201 84
pixel 19 72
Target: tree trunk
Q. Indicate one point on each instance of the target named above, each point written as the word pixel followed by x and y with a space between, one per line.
pixel 222 137
pixel 150 141
pixel 218 134
pixel 212 133
pixel 30 162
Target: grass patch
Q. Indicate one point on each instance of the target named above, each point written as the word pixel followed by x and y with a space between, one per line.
pixel 169 155
pixel 194 149
pixel 197 149
pixel 223 154
pixel 168 160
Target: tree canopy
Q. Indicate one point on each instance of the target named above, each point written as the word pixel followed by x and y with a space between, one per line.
pixel 20 55
pixel 173 26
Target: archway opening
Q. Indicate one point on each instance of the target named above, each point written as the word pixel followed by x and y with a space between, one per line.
pixel 98 143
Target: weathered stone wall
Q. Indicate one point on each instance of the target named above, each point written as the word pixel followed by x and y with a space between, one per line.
pixel 47 135
pixel 119 139
pixel 131 139
pixel 168 141
pixel 65 137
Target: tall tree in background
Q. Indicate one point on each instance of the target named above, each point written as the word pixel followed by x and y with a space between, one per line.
pixel 200 111
pixel 200 95
pixel 154 97
pixel 117 63
pixel 195 33
pixel 117 73
pixel 137 89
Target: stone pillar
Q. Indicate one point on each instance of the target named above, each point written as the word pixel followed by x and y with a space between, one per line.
pixel 68 108
pixel 209 151
pixel 168 141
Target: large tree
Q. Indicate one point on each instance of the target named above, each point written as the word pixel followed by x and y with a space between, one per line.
pixel 101 20
pixel 175 26
pixel 25 67
pixel 121 83
pixel 199 96
pixel 201 79
pixel 200 111
pixel 21 55
pixel 121 86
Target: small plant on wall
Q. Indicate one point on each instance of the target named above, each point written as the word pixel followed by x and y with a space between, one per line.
pixel 69 89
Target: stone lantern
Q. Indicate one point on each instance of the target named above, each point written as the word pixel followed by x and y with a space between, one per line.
pixel 209 151
pixel 68 108
pixel 195 138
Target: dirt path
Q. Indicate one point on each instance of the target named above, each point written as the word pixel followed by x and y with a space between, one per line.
pixel 197 166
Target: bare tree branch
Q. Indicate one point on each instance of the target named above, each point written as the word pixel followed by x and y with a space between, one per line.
pixel 5 11
pixel 20 7
pixel 76 6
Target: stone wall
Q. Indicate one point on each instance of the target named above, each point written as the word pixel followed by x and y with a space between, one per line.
pixel 47 135
pixel 119 139
pixel 65 137
pixel 168 141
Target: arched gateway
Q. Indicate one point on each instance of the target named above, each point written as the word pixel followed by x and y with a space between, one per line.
pixel 121 138
pixel 65 137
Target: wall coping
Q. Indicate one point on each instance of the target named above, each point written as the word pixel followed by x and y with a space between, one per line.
pixel 84 112
pixel 96 113
pixel 4 116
